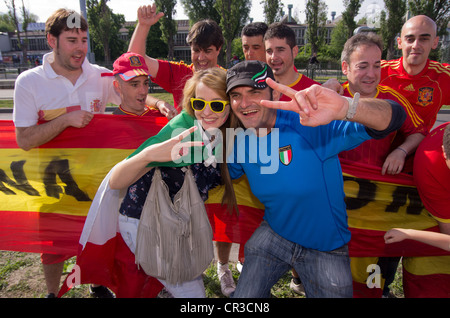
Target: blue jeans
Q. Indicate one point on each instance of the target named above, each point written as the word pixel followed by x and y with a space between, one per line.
pixel 268 256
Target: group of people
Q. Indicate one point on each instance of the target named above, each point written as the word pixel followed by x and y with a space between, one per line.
pixel 304 226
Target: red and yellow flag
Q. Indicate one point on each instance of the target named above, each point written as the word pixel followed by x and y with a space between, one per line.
pixel 46 194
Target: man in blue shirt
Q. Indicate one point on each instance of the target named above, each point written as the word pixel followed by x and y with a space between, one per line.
pixel 293 168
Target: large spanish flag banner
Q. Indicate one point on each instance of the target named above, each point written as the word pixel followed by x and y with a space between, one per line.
pixel 46 194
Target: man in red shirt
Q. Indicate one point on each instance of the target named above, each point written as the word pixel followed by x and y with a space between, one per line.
pixel 281 50
pixel 131 83
pixel 432 179
pixel 432 174
pixel 423 82
pixel 361 60
pixel 205 39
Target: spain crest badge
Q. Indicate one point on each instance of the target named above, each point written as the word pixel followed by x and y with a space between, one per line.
pixel 135 61
pixel 425 96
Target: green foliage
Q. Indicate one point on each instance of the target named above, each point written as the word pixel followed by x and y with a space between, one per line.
pixel 167 23
pixel 349 14
pixel 6 23
pixel 104 26
pixel 339 36
pixel 316 18
pixel 197 10
pixel 234 15
pixel 391 24
pixel 156 47
pixel 438 10
pixel 273 10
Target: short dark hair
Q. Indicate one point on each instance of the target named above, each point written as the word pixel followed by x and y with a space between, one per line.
pixel 365 38
pixel 65 20
pixel 280 30
pixel 254 29
pixel 446 141
pixel 205 33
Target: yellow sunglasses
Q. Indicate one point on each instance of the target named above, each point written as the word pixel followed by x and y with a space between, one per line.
pixel 217 106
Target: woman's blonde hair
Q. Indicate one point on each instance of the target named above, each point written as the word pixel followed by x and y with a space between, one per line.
pixel 215 79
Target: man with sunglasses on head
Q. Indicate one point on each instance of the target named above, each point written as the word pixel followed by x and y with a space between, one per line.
pixel 205 39
pixel 305 221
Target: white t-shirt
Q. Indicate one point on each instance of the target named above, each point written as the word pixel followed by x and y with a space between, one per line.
pixel 40 93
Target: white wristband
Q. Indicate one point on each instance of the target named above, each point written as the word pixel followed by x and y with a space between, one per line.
pixel 352 105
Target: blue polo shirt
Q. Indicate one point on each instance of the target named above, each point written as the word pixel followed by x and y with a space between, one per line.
pixel 295 172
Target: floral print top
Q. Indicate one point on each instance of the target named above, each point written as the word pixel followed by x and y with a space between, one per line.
pixel 206 179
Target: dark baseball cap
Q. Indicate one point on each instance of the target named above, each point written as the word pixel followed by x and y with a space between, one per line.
pixel 249 73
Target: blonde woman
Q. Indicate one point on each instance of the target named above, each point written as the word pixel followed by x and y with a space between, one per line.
pixel 206 108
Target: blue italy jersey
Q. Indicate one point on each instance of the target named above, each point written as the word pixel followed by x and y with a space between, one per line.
pixel 295 172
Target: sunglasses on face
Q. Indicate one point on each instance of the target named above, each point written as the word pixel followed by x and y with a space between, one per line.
pixel 217 106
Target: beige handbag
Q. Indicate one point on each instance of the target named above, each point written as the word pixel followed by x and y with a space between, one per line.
pixel 174 239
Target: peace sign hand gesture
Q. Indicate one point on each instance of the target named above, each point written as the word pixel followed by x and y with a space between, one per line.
pixel 128 171
pixel 316 105
pixel 172 149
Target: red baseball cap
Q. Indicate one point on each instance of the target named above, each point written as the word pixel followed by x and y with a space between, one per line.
pixel 129 65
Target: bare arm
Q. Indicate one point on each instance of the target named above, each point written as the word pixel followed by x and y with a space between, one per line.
pixel 396 159
pixel 440 240
pixel 34 136
pixel 318 105
pixel 164 108
pixel 147 16
pixel 128 171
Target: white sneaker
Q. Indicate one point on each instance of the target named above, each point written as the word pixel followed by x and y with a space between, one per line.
pixel 297 288
pixel 227 284
pixel 239 267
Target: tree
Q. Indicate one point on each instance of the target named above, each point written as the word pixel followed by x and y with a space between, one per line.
pixel 197 10
pixel 438 10
pixel 6 23
pixel 234 15
pixel 391 24
pixel 273 10
pixel 104 28
pixel 339 36
pixel 15 20
pixel 168 24
pixel 155 46
pixel 316 18
pixel 349 14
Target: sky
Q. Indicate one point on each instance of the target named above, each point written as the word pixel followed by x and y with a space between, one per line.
pixel 44 8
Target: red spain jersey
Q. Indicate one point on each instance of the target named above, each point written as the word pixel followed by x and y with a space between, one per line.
pixel 432 176
pixel 172 77
pixel 302 82
pixel 427 91
pixel 374 152
pixel 149 111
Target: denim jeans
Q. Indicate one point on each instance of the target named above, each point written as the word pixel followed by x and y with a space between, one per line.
pixel 268 256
